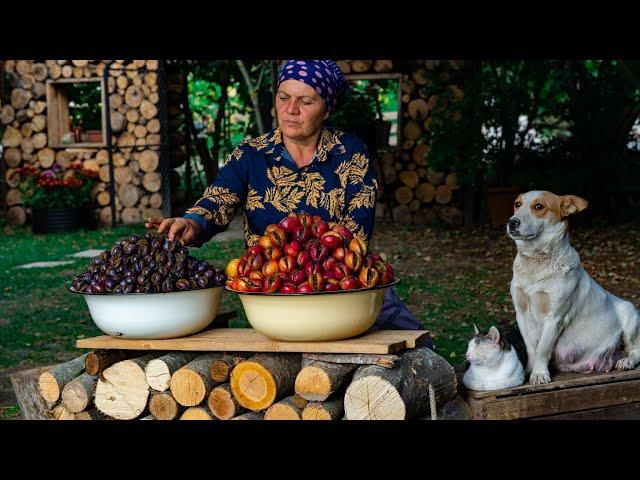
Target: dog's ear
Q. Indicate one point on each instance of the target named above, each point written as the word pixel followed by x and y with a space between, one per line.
pixel 494 335
pixel 476 330
pixel 571 204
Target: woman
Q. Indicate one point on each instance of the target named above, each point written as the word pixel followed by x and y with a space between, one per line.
pixel 299 166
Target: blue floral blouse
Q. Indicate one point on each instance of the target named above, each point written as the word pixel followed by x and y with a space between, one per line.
pixel 339 185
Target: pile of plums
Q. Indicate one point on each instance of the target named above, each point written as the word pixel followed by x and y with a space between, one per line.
pixel 147 264
pixel 303 254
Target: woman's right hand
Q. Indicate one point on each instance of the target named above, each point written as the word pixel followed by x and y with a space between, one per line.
pixel 184 230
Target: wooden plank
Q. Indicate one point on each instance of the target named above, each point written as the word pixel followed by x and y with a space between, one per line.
pixel 25 387
pixel 560 381
pixel 249 340
pixel 630 411
pixel 555 402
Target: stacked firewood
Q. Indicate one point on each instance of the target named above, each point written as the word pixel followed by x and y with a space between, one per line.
pixel 133 94
pixel 128 385
pixel 354 67
pixel 176 85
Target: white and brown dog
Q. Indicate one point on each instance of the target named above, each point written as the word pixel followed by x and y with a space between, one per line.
pixel 565 317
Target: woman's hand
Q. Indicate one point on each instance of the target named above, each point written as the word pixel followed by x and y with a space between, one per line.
pixel 184 230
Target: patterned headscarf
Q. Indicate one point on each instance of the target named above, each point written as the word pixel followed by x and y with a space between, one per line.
pixel 323 75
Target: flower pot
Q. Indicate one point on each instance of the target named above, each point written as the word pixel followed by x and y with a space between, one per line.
pixel 94 136
pixel 500 201
pixel 52 220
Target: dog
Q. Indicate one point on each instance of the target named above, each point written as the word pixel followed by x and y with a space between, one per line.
pixel 566 318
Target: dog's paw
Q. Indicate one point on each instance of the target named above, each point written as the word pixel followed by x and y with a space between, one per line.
pixel 539 378
pixel 625 363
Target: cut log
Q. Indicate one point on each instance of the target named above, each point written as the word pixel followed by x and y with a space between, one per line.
pixel 103 198
pixel 92 414
pixel 450 215
pixel 60 413
pixel 91 165
pixel 16 215
pixel 153 125
pixel 403 195
pixel 456 409
pixel 27 391
pixel 133 96
pixel 191 384
pixel 152 64
pixel 402 214
pixel 67 71
pixel 7 114
pixel 131 216
pixel 318 380
pixel 420 76
pixel 11 178
pixel 414 205
pixel 220 367
pixel 361 66
pixel 52 382
pixel 435 178
pixel 39 140
pixel 63 158
pixel 115 100
pixel 419 154
pixel 412 130
pixel 285 409
pixel 102 157
pixel 122 391
pixel 197 413
pixel 38 123
pixel 11 138
pixel 387 361
pixel 152 181
pixel 344 66
pixel 331 410
pixel 39 107
pixel 425 192
pixel 80 63
pixel 39 71
pixel 451 181
pixel 250 416
pixel 122 175
pixel 149 161
pixel 26 145
pixel 155 201
pixel 9 66
pixel 122 82
pixel 13 197
pixel 98 360
pixel 299 401
pixel 38 90
pixel 46 157
pixel 119 159
pixel 382 66
pixel 55 71
pixel 117 121
pixel 129 195
pixel 132 115
pixel 20 98
pixel 164 407
pixel 105 216
pixel 423 216
pixel 409 178
pixel 12 156
pixel 263 379
pixel 418 109
pixel 408 86
pixel 26 129
pixel 148 110
pixel 443 194
pixel 401 393
pixel 223 404
pixel 126 140
pixel 160 370
pixel 77 395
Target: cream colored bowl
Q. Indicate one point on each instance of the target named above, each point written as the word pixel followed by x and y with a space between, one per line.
pixel 154 315
pixel 314 317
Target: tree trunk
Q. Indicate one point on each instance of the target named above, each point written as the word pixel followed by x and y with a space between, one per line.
pixel 253 94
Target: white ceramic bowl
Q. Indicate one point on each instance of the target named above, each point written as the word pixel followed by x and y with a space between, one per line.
pixel 154 315
pixel 314 317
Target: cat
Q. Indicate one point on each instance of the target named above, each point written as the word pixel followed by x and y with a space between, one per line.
pixel 496 359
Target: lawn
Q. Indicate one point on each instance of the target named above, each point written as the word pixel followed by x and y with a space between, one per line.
pixel 450 280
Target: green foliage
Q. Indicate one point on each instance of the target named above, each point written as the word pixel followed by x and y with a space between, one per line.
pixel 85 105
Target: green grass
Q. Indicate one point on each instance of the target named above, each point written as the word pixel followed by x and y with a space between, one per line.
pixel 40 319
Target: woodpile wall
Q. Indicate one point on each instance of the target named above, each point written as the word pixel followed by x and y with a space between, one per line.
pixel 134 97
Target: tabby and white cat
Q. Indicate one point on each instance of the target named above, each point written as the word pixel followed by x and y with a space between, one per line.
pixel 496 359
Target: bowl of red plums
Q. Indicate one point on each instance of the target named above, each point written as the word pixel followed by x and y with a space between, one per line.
pixel 147 287
pixel 308 280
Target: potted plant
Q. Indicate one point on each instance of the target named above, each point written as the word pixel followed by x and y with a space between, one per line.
pixel 59 199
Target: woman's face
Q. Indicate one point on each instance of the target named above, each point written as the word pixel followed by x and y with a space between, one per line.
pixel 301 110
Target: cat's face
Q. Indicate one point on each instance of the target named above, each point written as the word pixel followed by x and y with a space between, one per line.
pixel 485 348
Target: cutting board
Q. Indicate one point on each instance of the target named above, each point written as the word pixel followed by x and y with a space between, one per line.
pixel 249 340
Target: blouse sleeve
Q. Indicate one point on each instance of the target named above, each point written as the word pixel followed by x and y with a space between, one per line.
pixel 360 194
pixel 217 207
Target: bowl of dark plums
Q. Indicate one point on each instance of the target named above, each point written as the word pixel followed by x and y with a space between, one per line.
pixel 147 287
